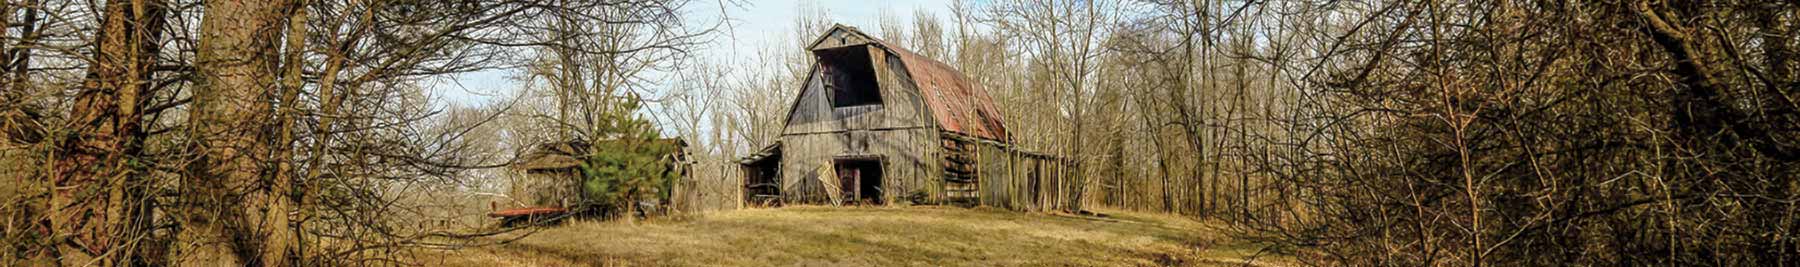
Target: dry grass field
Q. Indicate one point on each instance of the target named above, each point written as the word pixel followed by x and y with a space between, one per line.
pixel 901 236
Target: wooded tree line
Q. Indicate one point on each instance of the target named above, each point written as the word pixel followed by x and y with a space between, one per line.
pixel 266 133
pixel 1393 133
pixel 300 132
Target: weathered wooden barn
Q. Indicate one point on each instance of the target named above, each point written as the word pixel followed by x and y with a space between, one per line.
pixel 876 124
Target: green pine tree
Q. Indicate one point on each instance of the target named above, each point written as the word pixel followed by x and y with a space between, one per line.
pixel 635 166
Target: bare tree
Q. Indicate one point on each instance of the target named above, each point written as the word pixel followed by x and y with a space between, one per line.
pixel 101 197
pixel 1063 41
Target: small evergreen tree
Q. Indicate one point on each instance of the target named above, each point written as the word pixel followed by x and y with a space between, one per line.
pixel 617 174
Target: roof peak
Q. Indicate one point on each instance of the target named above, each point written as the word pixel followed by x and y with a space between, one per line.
pixel 957 103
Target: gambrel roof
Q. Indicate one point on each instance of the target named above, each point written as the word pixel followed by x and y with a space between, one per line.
pixel 956 104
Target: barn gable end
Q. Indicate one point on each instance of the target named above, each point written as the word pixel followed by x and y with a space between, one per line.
pixel 874 123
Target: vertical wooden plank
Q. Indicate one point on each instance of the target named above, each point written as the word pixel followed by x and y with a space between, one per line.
pixel 1037 181
pixel 989 176
pixel 1047 188
pixel 979 178
pixel 993 176
pixel 1012 185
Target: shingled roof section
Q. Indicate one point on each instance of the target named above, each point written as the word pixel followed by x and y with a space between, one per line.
pixel 958 105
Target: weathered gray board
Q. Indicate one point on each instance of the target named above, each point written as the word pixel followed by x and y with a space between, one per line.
pixel 903 134
pixel 897 131
pixel 1019 180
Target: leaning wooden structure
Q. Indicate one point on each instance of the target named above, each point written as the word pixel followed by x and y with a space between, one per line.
pixel 551 184
pixel 876 124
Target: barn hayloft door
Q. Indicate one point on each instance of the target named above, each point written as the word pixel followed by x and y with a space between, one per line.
pixel 860 179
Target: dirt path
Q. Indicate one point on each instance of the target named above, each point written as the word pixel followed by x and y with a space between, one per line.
pixel 911 236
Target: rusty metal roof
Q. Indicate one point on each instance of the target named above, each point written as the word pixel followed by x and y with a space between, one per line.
pixel 958 105
pixel 761 154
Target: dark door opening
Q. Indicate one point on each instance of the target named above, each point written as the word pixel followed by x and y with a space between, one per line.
pixel 762 178
pixel 860 180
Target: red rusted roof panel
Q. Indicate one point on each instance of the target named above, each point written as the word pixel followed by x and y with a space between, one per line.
pixel 959 105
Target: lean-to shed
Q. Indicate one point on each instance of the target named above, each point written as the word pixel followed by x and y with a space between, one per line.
pixel 875 124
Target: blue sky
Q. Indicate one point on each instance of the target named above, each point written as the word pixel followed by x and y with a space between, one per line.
pixel 752 25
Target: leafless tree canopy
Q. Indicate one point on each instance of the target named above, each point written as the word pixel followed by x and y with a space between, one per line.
pixel 273 133
pixel 1418 133
pixel 1471 133
pixel 302 132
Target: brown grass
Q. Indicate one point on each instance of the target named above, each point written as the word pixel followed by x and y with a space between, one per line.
pixel 899 236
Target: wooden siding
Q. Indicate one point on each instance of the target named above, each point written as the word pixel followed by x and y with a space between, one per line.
pixel 903 133
pixel 1012 179
pixel 895 131
pixel 907 162
pixel 838 38
pixel 546 188
pixel 901 105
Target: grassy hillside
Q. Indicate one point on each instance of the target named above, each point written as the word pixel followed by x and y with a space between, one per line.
pixel 910 236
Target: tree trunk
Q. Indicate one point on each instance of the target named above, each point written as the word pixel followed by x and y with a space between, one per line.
pixel 291 85
pixel 99 196
pixel 238 213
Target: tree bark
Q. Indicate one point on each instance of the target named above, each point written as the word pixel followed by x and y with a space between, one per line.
pixel 238 212
pixel 99 197
pixel 291 85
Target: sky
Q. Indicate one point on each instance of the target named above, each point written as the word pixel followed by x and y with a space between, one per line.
pixel 750 25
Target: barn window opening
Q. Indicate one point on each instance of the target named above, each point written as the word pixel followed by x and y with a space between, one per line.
pixel 850 76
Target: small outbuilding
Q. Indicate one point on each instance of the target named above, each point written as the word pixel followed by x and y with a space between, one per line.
pixel 553 181
pixel 875 124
